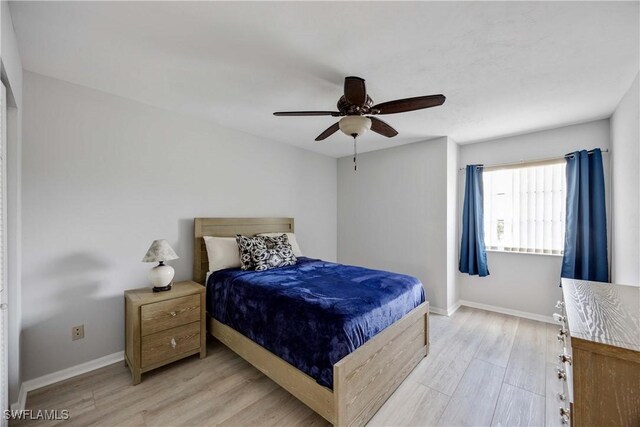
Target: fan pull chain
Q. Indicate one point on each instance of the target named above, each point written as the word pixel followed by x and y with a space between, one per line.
pixel 355 154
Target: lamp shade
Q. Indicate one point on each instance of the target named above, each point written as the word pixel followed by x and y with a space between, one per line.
pixel 160 250
pixel 355 125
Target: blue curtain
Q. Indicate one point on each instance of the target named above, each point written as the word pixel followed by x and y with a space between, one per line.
pixel 473 257
pixel 585 243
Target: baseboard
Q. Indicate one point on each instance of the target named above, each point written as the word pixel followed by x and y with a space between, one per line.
pixel 441 311
pixel 436 310
pixel 453 308
pixel 517 313
pixel 62 375
pixel 22 400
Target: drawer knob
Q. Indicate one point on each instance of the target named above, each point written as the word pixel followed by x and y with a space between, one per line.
pixel 173 314
pixel 563 332
pixel 564 358
pixel 562 397
pixel 558 317
pixel 561 337
pixel 559 304
pixel 565 414
pixel 562 374
pixel 173 343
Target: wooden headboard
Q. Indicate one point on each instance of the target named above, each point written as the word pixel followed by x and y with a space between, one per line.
pixel 229 227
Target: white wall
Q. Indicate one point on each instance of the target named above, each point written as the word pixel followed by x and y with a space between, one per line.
pixel 392 213
pixel 625 159
pixel 525 282
pixel 104 176
pixel 12 77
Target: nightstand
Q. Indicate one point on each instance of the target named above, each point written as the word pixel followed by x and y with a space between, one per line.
pixel 162 327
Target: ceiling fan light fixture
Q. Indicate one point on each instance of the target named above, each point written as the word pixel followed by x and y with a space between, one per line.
pixel 355 125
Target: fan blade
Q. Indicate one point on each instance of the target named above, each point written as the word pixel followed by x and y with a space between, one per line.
pixel 355 91
pixel 378 126
pixel 307 113
pixel 409 104
pixel 330 131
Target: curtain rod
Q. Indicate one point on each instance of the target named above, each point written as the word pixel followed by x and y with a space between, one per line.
pixel 525 162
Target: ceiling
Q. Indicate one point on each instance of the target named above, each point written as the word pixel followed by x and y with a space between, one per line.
pixel 505 67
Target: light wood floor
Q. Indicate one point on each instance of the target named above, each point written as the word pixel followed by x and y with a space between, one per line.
pixel 483 369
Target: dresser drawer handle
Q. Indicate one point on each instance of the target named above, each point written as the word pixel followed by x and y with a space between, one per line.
pixel 564 358
pixel 173 343
pixel 558 317
pixel 562 397
pixel 565 414
pixel 562 374
pixel 563 332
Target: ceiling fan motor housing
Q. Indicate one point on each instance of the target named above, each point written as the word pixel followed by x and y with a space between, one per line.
pixel 347 108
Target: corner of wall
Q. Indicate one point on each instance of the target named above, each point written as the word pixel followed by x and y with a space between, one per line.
pixel 625 185
pixel 453 152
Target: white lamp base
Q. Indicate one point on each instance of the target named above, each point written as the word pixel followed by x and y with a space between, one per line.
pixel 161 277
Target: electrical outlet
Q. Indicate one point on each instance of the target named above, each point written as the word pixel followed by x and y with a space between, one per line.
pixel 77 332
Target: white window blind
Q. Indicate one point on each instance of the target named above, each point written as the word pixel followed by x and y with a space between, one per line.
pixel 524 208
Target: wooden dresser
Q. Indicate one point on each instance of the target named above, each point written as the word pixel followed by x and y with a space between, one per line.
pixel 162 327
pixel 599 361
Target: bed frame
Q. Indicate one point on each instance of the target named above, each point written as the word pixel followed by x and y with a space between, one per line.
pixel 362 380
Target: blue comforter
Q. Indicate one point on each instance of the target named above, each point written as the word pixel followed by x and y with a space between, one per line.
pixel 314 313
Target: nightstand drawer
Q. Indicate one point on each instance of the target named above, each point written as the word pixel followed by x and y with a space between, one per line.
pixel 169 314
pixel 167 344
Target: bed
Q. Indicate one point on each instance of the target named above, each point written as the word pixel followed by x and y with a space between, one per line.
pixel 357 381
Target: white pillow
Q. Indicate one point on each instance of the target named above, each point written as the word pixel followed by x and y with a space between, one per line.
pixel 292 241
pixel 222 252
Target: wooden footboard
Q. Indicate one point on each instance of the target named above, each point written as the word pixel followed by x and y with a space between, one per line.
pixel 362 381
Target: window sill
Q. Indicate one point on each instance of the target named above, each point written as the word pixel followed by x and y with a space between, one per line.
pixel 523 253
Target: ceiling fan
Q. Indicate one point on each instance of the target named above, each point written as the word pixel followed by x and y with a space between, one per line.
pixel 357 110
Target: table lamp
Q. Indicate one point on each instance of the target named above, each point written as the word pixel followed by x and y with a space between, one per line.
pixel 161 275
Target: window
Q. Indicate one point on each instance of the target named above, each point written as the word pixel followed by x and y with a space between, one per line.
pixel 524 208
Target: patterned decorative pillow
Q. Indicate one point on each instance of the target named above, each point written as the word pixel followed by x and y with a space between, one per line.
pixel 273 241
pixel 276 253
pixel 245 246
